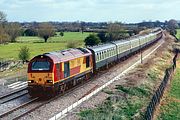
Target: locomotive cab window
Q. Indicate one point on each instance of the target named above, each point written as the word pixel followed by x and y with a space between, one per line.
pixel 40 65
pixel 87 61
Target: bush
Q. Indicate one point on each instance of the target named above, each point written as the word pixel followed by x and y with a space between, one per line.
pixel 71 44
pixel 102 36
pixel 92 40
pixel 61 34
pixel 24 54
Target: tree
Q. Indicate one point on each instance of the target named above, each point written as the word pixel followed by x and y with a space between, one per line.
pixel 102 36
pixel 4 37
pixel 24 54
pixel 13 30
pixel 172 25
pixel 115 31
pixel 61 34
pixel 30 32
pixel 82 27
pixel 45 31
pixel 2 17
pixel 91 40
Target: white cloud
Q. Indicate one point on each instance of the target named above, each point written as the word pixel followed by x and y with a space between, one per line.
pixel 90 10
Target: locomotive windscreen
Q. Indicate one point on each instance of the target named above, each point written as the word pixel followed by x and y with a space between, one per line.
pixel 40 65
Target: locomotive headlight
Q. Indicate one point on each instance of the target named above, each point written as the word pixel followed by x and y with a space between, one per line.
pixel 30 81
pixel 49 81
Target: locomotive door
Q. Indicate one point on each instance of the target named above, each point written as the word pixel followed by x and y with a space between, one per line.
pixel 58 71
pixel 66 70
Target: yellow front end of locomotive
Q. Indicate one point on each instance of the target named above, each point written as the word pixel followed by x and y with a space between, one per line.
pixel 40 79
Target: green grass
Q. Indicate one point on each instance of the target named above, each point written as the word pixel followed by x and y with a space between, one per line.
pixel 178 33
pixel 121 108
pixel 37 45
pixel 171 109
pixel 129 102
pixel 68 36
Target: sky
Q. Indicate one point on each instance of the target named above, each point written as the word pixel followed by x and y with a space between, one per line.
pixel 126 11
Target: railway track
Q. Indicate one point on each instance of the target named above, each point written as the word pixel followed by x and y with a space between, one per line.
pixel 14 110
pixel 13 95
pixel 25 108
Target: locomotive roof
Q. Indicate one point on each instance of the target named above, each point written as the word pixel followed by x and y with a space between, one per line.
pixel 65 55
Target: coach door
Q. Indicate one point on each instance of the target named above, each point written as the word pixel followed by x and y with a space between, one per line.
pixel 66 70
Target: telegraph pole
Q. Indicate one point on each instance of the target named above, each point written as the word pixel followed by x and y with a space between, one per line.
pixel 141 51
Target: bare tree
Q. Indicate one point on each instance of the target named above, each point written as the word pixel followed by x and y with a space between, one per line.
pixel 45 31
pixel 13 30
pixel 3 35
pixel 2 17
pixel 172 25
pixel 115 31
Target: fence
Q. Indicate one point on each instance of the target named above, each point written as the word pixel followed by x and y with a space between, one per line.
pixel 159 92
pixel 4 63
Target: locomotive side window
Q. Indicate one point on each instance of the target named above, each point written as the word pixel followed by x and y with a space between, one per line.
pixel 66 70
pixel 87 61
pixel 41 65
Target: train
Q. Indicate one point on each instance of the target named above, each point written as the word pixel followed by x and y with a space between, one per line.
pixel 54 72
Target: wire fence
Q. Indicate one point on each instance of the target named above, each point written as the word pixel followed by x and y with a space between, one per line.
pixel 4 63
pixel 160 91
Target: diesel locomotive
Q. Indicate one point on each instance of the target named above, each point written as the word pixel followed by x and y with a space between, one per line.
pixel 54 72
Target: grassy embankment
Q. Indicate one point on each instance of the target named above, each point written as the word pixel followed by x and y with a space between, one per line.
pixel 37 45
pixel 170 106
pixel 178 33
pixel 129 101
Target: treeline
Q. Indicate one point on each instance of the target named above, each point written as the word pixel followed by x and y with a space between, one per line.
pixel 106 31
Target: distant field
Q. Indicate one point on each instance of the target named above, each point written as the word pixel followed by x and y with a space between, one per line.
pixel 178 33
pixel 68 36
pixel 170 109
pixel 37 45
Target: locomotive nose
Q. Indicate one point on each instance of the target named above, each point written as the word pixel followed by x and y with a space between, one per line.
pixel 40 78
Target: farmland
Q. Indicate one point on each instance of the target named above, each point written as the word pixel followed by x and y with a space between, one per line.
pixel 37 45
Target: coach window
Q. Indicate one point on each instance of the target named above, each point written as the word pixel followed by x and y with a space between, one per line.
pixel 105 54
pixel 108 53
pixel 97 57
pixel 102 55
pixel 87 61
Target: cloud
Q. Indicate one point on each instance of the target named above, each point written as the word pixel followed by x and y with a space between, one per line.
pixel 89 10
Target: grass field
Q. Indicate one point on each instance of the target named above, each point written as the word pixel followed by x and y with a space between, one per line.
pixel 37 45
pixel 170 109
pixel 68 36
pixel 178 33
